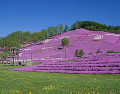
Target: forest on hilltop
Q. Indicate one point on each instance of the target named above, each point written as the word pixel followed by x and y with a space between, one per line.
pixel 21 37
pixel 94 26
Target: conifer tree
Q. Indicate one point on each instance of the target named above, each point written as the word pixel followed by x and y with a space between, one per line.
pixel 81 53
pixel 76 53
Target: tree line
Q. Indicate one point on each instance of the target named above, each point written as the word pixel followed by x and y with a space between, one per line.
pixel 15 38
pixel 94 26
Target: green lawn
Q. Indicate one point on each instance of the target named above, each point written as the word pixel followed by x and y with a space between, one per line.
pixel 13 82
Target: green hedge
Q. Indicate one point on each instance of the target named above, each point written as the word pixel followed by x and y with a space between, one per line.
pixel 111 51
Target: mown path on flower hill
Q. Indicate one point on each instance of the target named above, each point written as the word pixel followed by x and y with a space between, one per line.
pixel 13 82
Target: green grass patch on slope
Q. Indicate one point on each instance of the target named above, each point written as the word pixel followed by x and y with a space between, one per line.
pixel 13 82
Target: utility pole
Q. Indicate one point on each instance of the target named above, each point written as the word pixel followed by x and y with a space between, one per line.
pixel 65 53
pixel 31 55
pixel 55 55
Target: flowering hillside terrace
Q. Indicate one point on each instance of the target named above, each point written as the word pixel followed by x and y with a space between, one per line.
pixel 99 64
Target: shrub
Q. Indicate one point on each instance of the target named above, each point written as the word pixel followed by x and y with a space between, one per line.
pixel 3 55
pixel 98 52
pixel 111 51
pixel 76 54
pixel 81 53
pixel 90 53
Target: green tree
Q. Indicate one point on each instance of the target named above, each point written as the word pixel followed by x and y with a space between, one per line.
pixel 12 44
pixel 76 25
pixel 66 28
pixel 3 55
pixel 35 36
pixel 65 42
pixel 81 53
pixel 27 33
pixel 56 30
pixel 16 35
pixel 43 34
pixel 51 31
pixel 90 27
pixel 1 42
pixel 76 54
pixel 26 38
pixel 61 28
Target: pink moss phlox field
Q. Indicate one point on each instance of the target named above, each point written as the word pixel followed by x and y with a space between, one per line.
pixel 50 52
pixel 78 39
pixel 83 66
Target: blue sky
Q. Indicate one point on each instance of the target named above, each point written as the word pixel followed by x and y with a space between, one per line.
pixel 34 15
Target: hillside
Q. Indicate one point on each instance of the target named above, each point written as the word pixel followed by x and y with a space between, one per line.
pixel 89 41
pixel 20 38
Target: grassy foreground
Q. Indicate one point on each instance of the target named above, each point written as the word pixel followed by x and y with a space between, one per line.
pixel 13 82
